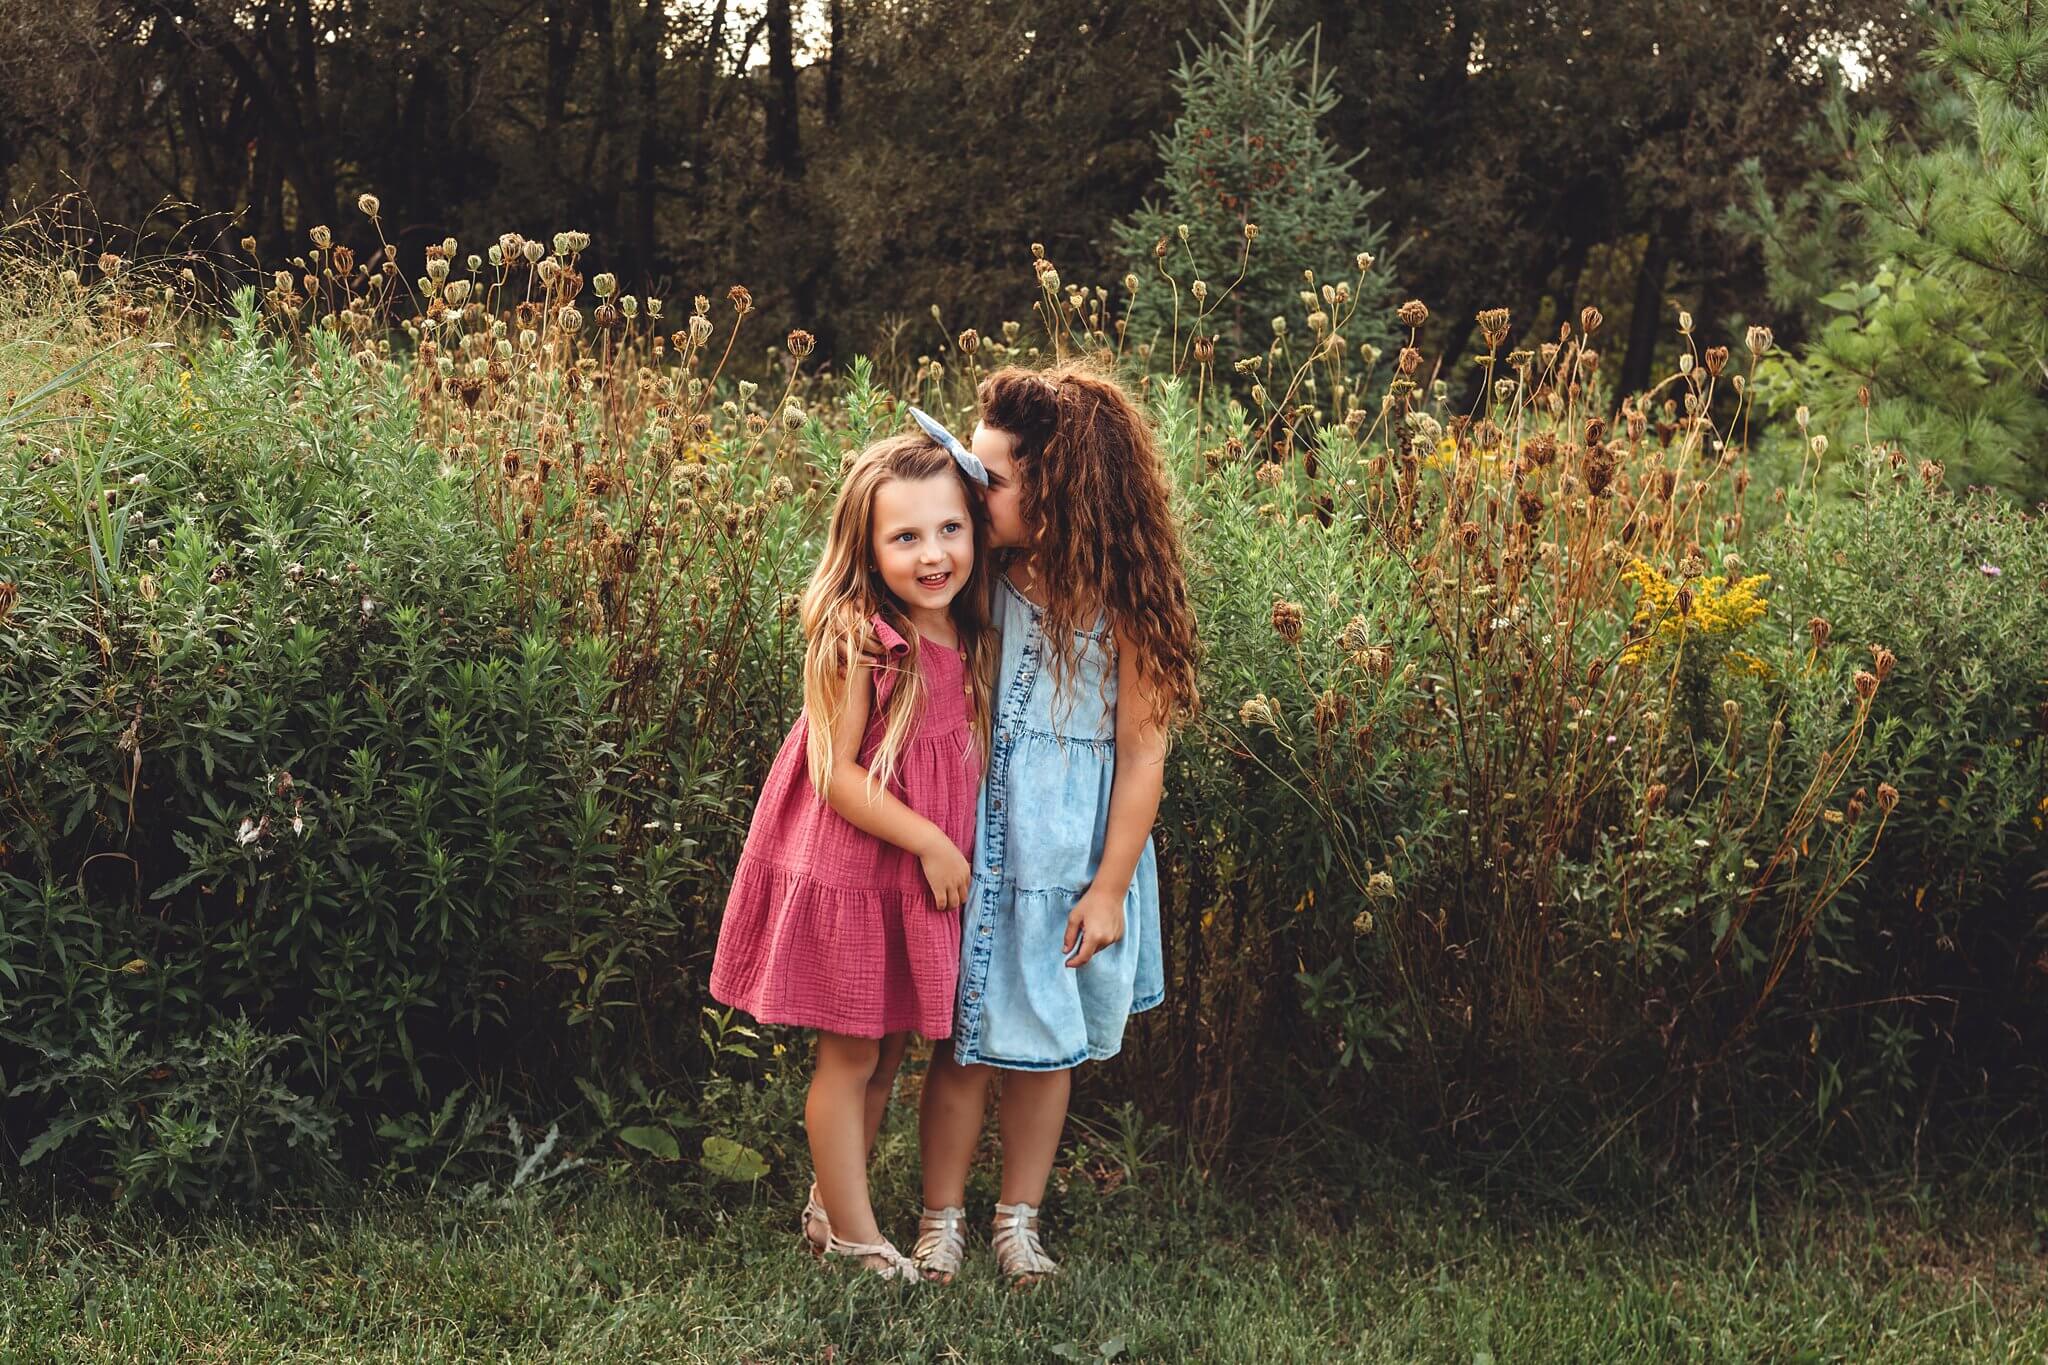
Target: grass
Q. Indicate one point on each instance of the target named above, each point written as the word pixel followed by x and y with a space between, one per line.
pixel 1160 1266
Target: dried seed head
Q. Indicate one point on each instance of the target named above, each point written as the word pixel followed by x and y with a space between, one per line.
pixel 742 301
pixel 969 341
pixel 793 416
pixel 1887 797
pixel 1363 260
pixel 1287 620
pixel 1205 350
pixel 1820 446
pixel 700 329
pixel 1882 661
pixel 801 343
pixel 1819 629
pixel 1590 319
pixel 568 319
pixel 1685 322
pixel 1758 339
pixel 1409 361
pixel 1493 325
pixel 1200 289
pixel 1251 232
pixel 1412 314
pixel 322 238
pixel 1866 684
pixel 1258 710
pixel 604 284
pixel 1653 797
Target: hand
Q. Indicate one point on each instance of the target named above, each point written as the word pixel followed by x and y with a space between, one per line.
pixel 1096 921
pixel 946 869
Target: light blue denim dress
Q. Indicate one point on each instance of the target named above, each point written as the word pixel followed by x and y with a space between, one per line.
pixel 1043 811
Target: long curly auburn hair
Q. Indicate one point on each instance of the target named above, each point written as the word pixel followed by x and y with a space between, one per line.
pixel 1097 497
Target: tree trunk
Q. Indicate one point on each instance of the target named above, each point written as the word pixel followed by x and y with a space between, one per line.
pixel 1647 314
pixel 836 10
pixel 784 153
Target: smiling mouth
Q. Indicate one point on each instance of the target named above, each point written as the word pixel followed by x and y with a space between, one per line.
pixel 934 581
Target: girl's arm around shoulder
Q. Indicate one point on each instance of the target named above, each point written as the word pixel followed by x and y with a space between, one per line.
pixel 1134 793
pixel 859 800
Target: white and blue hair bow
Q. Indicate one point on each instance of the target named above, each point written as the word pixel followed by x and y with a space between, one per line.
pixel 962 456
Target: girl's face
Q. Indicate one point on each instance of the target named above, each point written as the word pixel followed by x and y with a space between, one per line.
pixel 997 451
pixel 923 541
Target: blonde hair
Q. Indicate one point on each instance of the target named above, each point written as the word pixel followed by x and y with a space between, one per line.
pixel 845 595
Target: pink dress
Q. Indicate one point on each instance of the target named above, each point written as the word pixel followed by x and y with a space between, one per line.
pixel 828 927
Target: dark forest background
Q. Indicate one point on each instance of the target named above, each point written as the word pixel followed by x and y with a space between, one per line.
pixel 856 161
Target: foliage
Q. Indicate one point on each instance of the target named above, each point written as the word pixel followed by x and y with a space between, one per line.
pixel 1248 155
pixel 1934 325
pixel 409 699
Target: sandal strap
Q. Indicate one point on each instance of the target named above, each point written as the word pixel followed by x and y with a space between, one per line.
pixel 895 1265
pixel 1016 1245
pixel 941 1239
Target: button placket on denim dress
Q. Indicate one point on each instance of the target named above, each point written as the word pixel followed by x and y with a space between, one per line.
pixel 1040 823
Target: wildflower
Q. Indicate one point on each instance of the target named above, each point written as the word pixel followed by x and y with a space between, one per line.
pixel 1989 570
pixel 248 833
pixel 1287 620
pixel 1709 606
pixel 1412 314
pixel 1380 886
pixel 1259 710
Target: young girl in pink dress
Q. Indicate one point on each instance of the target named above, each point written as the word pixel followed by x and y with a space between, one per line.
pixel 844 915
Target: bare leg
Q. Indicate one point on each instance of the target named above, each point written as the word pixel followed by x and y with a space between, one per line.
pixel 835 1118
pixel 882 1084
pixel 1031 1113
pixel 955 1101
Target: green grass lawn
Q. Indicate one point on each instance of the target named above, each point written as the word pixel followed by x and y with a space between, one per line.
pixel 1160 1266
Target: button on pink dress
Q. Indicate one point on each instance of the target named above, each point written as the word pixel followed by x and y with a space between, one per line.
pixel 828 927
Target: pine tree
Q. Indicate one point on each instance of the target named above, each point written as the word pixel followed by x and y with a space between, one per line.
pixel 1247 150
pixel 1943 228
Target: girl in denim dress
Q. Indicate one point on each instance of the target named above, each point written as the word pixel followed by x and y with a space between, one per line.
pixel 1060 937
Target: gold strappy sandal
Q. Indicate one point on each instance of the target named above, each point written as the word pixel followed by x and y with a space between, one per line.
pixel 941 1243
pixel 1019 1254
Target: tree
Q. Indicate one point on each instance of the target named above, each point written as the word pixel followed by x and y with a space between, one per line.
pixel 1248 151
pixel 1937 242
